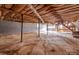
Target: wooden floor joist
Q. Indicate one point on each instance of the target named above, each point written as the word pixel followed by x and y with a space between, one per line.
pixel 37 14
pixel 58 16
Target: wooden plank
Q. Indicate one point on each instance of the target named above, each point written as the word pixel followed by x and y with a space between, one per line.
pixel 37 14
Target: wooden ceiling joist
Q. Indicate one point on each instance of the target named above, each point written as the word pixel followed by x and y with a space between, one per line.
pixel 37 14
pixel 44 12
pixel 58 16
pixel 15 12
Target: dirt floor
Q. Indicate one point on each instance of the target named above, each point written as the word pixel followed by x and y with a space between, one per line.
pixel 33 45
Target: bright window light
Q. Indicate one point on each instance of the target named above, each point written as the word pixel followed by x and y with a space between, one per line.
pixel 61 26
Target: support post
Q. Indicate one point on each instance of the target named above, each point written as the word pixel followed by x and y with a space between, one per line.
pixel 56 27
pixel 38 28
pixel 21 29
pixel 47 28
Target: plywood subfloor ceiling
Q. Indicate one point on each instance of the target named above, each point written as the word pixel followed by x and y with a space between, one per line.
pixel 46 13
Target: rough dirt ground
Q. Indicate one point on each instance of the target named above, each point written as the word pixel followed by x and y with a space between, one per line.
pixel 33 45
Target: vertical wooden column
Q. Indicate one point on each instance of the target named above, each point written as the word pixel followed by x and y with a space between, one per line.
pixel 47 28
pixel 56 26
pixel 21 29
pixel 38 28
pixel 0 13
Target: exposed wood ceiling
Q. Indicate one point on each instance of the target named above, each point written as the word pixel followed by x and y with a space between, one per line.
pixel 50 13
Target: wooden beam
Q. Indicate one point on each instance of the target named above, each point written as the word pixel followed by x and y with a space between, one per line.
pixel 37 14
pixel 22 29
pixel 0 13
pixel 67 27
pixel 58 16
pixel 63 7
pixel 47 28
pixel 70 13
pixel 68 9
pixel 2 8
pixel 38 28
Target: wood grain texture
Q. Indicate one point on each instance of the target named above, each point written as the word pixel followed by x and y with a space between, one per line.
pixel 68 11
